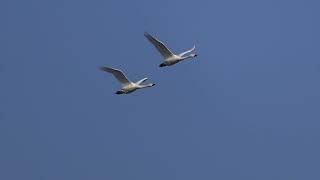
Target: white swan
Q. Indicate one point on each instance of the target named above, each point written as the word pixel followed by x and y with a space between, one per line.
pixel 169 57
pixel 127 85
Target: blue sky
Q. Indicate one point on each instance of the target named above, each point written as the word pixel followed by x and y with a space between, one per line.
pixel 246 108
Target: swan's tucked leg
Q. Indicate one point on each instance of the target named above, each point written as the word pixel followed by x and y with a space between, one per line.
pixel 162 65
pixel 120 92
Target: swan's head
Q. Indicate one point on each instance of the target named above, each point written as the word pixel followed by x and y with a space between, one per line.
pixel 193 55
pixel 120 92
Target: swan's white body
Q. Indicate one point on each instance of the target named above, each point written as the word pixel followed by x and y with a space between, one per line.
pixel 127 85
pixel 169 57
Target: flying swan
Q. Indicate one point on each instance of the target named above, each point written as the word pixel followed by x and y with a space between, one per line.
pixel 169 57
pixel 127 85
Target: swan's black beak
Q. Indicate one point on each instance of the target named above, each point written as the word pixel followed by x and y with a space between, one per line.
pixel 153 84
pixel 162 65
pixel 195 55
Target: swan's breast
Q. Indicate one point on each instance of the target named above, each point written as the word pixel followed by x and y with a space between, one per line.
pixel 130 87
pixel 172 60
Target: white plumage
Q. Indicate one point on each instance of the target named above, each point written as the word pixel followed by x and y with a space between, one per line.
pixel 127 85
pixel 169 57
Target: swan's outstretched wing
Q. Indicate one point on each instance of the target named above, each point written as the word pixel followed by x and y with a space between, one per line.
pixel 189 51
pixel 117 74
pixel 141 81
pixel 164 51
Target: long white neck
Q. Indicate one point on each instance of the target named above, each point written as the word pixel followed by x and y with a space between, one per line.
pixel 189 56
pixel 145 85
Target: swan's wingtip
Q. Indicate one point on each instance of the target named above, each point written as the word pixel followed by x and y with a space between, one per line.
pixel 104 68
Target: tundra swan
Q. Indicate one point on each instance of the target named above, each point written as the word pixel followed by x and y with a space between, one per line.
pixel 127 85
pixel 169 57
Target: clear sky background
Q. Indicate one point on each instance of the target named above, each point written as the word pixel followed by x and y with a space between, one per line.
pixel 248 107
